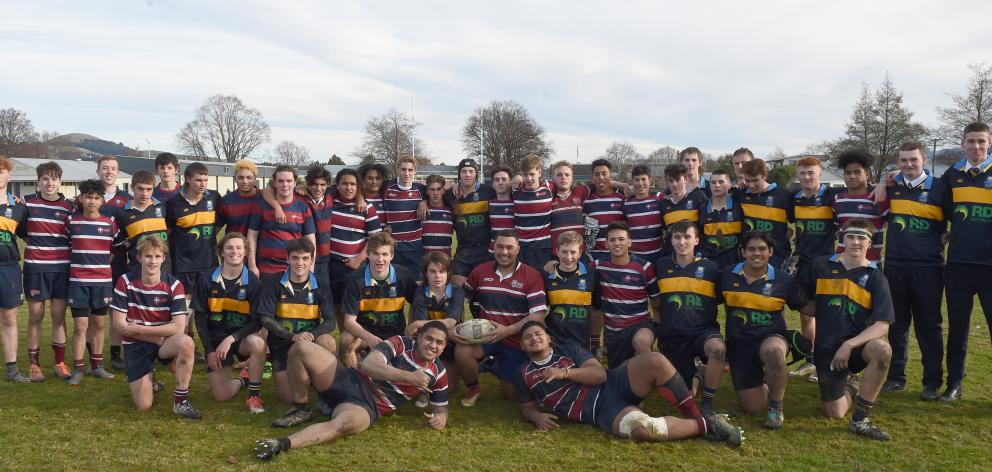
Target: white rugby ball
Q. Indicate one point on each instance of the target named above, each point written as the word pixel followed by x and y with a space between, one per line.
pixel 476 331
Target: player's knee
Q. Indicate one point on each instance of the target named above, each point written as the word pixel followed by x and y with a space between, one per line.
pixel 186 345
pixel 143 404
pixel 773 356
pixel 255 344
pixel 716 350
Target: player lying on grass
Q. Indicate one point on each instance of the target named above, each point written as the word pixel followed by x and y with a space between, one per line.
pixel 397 370
pixel 149 310
pixel 569 378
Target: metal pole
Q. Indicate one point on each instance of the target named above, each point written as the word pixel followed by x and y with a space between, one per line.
pixel 933 158
pixel 482 142
pixel 413 128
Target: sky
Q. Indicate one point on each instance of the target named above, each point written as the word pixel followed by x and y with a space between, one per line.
pixel 717 75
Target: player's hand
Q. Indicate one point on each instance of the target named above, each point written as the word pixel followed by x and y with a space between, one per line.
pixel 223 347
pixel 436 420
pixel 360 204
pixel 545 421
pixel 841 358
pixel 254 270
pixel 550 266
pixel 452 335
pixel 353 263
pixel 552 373
pixel 303 337
pixel 412 328
pixel 301 190
pixel 422 210
pixel 130 330
pixel 213 360
pixel 419 378
pixel 279 214
pixel 502 332
pixel 374 341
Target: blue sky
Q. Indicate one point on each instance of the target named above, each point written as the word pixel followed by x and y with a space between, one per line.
pixel 717 75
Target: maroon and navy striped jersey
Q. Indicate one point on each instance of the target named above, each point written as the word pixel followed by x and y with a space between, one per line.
pixel 273 237
pixel 148 305
pixel 350 229
pixel 572 400
pixel 46 248
pixel 646 230
pixel 500 218
pixel 506 300
pixel 375 201
pixel 532 216
pixel 111 202
pixel 91 240
pixel 847 206
pixel 400 214
pixel 566 214
pixel 605 209
pixel 321 211
pixel 164 195
pixel 624 291
pixel 236 208
pixel 438 228
pixel 400 352
pixel 193 236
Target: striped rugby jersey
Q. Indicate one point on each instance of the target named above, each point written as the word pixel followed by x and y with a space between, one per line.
pixel 569 304
pixel 375 201
pixel 532 216
pixel 847 206
pixel 322 211
pixel 400 352
pixel 163 195
pixel 438 228
pixel 722 229
pixel 236 208
pixel 573 400
pixel 148 305
pixel 605 209
pixel 566 214
pixel 193 236
pixel 646 227
pixel 137 225
pixel 91 240
pixel 768 212
pixel 500 218
pixel 273 237
pixel 400 214
pixel 349 229
pixel 46 248
pixel 506 300
pixel 623 292
pixel 968 207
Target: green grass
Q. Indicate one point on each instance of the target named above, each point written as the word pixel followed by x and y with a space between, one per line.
pixel 51 426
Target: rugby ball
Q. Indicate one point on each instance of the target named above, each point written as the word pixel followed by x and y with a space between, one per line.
pixel 476 331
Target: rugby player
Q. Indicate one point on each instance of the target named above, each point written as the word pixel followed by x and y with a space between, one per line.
pixel 113 199
pixel 605 205
pixel 679 204
pixel 268 255
pixel 858 201
pixel 532 214
pixel 765 207
pixel 437 298
pixel 401 215
pixel 167 168
pixel 470 200
pixel 350 229
pixel 570 285
pixel 692 158
pixel 237 206
pixel 439 225
pixel 721 221
pixel 13 215
pixel 641 211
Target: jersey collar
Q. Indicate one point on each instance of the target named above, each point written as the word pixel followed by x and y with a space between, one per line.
pixel 311 284
pixel 447 291
pixel 770 276
pixel 836 258
pixel 819 193
pixel 243 280
pixel 982 166
pixel 927 181
pixel 771 186
pixel 130 203
pixel 730 204
pixel 500 277
pixel 371 282
pixel 580 270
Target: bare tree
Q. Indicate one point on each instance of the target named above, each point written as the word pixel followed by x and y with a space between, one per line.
pixel 389 137
pixel 623 156
pixel 223 129
pixel 777 154
pixel 664 155
pixel 880 124
pixel 16 131
pixel 509 134
pixel 973 105
pixel 292 154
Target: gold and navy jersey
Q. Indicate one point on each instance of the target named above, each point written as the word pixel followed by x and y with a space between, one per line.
pixel 569 304
pixel 287 308
pixel 847 301
pixel 816 227
pixel 13 223
pixel 688 297
pixel 426 307
pixel 471 215
pixel 968 207
pixel 379 305
pixel 140 224
pixel 224 307
pixel 754 310
pixel 193 237
pixel 722 229
pixel 768 212
pixel 916 224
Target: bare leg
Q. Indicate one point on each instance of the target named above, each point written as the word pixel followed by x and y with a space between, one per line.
pixel 643 340
pixel 8 319
pixel 467 360
pixel 253 346
pixel 309 365
pixel 36 314
pixel 58 308
pixel 180 348
pixel 80 330
pixel 346 419
pixel 142 393
pixel 716 355
pixel 283 386
pixel 877 353
pixel 95 333
pixel 772 354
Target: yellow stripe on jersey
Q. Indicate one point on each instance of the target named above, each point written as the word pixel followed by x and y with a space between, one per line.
pixel 679 215
pixel 436 315
pixel 689 285
pixel 569 297
pixel 472 208
pixel 714 229
pixel 765 213
pixel 382 305
pixel 196 219
pixel 922 210
pixel 844 288
pixel 299 311
pixel 972 195
pixel 146 225
pixel 8 225
pixel 814 212
pixel 221 305
pixel 753 301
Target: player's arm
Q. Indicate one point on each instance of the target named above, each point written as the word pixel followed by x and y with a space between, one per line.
pixel 590 372
pixel 352 325
pixel 376 366
pixel 269 195
pixel 176 326
pixel 326 309
pixel 252 250
pixel 532 413
pixel 438 417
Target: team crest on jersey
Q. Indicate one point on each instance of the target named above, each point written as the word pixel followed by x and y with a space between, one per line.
pixel 392 291
pixel 699 272
pixel 8 212
pixel 923 197
pixel 309 298
pixel 988 182
pixel 158 212
pixel 767 290
pixel 863 280
pixel 582 283
pixel 210 205
pixel 818 201
pixel 516 284
pixel 730 216
pixel 769 201
pixel 157 300
pixel 242 294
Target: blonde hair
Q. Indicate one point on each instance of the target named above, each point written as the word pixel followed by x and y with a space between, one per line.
pixel 245 164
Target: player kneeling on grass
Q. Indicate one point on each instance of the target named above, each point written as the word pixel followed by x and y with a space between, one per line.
pixel 578 388
pixel 397 370
pixel 853 313
pixel 150 313
pixel 224 321
pixel 295 310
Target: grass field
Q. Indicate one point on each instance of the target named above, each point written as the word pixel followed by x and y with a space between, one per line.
pixel 51 426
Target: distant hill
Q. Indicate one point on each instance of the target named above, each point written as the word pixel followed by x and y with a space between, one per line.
pixel 96 145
